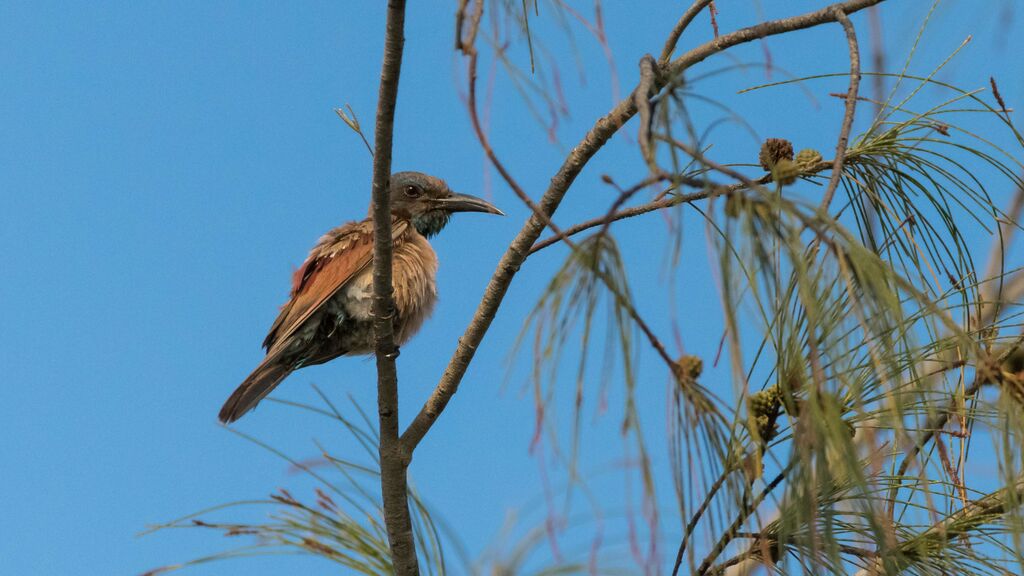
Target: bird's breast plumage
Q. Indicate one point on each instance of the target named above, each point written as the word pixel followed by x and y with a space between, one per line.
pixel 413 273
pixel 340 267
pixel 346 324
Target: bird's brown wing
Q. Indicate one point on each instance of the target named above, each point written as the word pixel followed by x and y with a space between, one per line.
pixel 340 256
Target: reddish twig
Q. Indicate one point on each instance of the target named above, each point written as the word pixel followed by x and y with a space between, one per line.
pixel 485 144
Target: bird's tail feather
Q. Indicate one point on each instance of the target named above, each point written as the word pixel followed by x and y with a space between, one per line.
pixel 263 379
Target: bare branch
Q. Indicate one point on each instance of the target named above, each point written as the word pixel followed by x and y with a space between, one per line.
pixel 766 29
pixel 745 511
pixel 851 107
pixel 460 18
pixel 625 195
pixel 627 213
pixel 698 514
pixel 393 462
pixel 647 88
pixel 680 27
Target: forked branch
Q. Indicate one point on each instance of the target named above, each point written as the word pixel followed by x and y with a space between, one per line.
pixel 592 142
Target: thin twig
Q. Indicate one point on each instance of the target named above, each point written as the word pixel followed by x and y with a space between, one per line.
pixel 352 121
pixel 460 18
pixel 647 88
pixel 745 511
pixel 614 214
pixel 485 144
pixel 851 107
pixel 766 29
pixel 698 514
pixel 710 191
pixel 680 27
pixel 393 462
pixel 594 141
pixel 696 154
pixel 625 195
pixel 621 215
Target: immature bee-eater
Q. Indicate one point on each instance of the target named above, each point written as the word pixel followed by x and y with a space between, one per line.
pixel 328 313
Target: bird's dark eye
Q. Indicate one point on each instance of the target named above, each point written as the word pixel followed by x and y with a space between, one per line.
pixel 413 191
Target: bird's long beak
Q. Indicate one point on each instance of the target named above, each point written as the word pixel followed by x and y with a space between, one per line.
pixel 467 203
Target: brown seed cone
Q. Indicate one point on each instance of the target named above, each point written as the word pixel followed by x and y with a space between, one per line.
pixel 773 150
pixel 689 367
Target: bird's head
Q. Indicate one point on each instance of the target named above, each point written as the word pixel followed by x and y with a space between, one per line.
pixel 427 202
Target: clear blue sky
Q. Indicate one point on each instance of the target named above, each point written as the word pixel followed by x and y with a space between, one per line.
pixel 164 167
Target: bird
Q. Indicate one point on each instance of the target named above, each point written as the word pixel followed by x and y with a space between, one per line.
pixel 328 313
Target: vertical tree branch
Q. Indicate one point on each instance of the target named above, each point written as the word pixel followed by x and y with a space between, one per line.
pixel 393 461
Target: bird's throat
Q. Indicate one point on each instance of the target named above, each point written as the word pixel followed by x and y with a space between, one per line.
pixel 430 223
